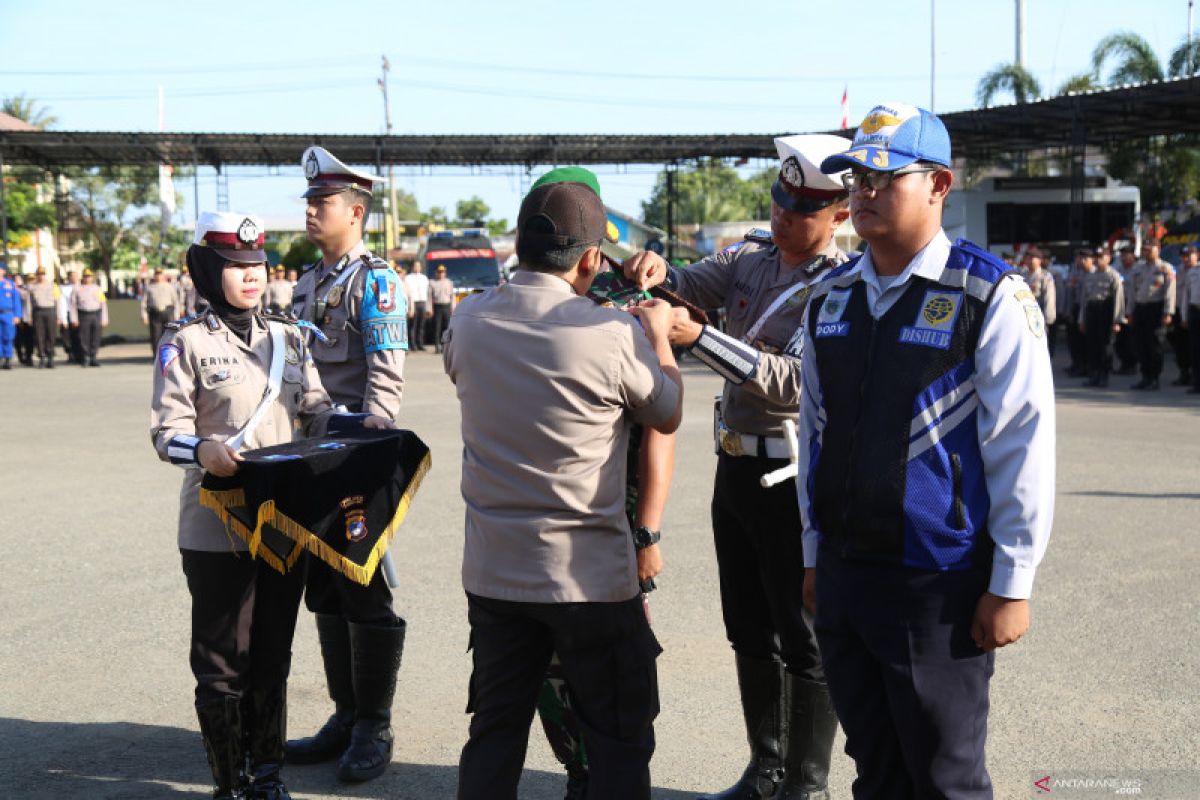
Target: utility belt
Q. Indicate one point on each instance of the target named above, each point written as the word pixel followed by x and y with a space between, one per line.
pixel 86 312
pixel 732 443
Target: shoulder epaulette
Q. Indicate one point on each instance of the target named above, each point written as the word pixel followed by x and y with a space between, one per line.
pixel 759 236
pixel 274 317
pixel 183 322
pixel 375 262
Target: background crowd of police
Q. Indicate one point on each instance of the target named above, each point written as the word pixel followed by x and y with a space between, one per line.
pixel 1118 314
pixel 67 315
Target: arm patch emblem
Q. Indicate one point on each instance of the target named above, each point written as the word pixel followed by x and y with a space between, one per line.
pixel 384 315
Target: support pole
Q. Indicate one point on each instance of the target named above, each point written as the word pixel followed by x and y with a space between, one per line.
pixel 671 212
pixel 3 215
pixel 1078 163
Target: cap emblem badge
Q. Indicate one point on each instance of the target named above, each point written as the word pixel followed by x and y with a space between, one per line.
pixel 311 167
pixel 247 232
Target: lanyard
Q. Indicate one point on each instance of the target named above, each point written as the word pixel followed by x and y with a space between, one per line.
pixel 274 381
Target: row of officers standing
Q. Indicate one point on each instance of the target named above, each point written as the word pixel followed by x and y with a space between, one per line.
pixel 34 313
pixel 1125 309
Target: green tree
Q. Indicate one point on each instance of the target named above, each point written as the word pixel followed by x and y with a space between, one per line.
pixel 472 211
pixel 1008 79
pixel 113 203
pixel 712 191
pixel 299 253
pixel 1083 82
pixel 26 109
pixel 1134 57
pixel 1185 60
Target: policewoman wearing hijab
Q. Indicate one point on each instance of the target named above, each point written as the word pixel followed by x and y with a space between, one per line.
pixel 230 379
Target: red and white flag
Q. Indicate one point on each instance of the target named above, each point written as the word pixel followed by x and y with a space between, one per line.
pixel 845 108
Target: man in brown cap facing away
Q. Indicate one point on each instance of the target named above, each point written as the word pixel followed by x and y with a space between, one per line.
pixel 549 383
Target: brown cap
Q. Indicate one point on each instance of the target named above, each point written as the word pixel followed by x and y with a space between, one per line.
pixel 560 216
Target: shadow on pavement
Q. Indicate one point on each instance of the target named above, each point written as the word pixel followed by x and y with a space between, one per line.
pixel 131 761
pixel 1139 495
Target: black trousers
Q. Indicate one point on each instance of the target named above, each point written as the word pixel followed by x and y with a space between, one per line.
pixel 761 566
pixel 1180 343
pixel 908 684
pixel 45 327
pixel 243 621
pixel 330 592
pixel 26 341
pixel 1147 338
pixel 1076 347
pixel 607 652
pixel 1098 320
pixel 1193 330
pixel 89 335
pixel 416 327
pixel 158 319
pixel 1123 347
pixel 441 318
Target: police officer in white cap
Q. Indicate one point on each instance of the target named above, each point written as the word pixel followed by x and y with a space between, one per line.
pixel 354 305
pixel 764 282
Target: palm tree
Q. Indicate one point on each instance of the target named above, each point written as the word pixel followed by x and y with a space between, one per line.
pixel 1185 60
pixel 1010 78
pixel 1137 62
pixel 24 108
pixel 1083 82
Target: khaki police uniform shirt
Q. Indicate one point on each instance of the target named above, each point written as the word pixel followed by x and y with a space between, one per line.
pixel 441 291
pixel 185 293
pixel 1099 286
pixel 26 304
pixel 158 297
pixel 361 381
pixel 549 385
pixel 88 297
pixel 1041 283
pixel 279 294
pixel 1153 283
pixel 43 294
pixel 746 282
pixel 1190 294
pixel 208 383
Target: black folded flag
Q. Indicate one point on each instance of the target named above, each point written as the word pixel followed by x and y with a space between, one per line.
pixel 340 497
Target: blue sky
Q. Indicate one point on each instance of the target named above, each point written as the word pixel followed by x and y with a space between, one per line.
pixel 525 67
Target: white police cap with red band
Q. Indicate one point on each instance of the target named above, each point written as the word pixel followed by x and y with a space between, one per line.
pixel 801 186
pixel 893 136
pixel 326 175
pixel 236 237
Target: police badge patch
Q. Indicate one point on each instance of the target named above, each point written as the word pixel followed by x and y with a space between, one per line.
pixel 356 518
pixel 791 172
pixel 934 325
pixel 829 320
pixel 247 232
pixel 168 354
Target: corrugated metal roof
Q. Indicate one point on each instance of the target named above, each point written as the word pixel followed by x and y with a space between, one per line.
pixel 1123 113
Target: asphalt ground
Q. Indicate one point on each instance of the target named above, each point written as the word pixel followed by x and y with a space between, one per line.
pixel 96 695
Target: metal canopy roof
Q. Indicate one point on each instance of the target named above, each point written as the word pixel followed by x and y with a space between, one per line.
pixel 1107 116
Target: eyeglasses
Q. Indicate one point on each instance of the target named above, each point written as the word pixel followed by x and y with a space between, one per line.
pixel 878 181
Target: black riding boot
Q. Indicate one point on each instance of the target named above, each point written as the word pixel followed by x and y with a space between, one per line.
pixel 264 713
pixel 377 650
pixel 761 686
pixel 334 736
pixel 811 727
pixel 221 727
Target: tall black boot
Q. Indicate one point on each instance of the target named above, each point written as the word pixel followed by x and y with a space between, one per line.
pixel 761 685
pixel 377 650
pixel 221 727
pixel 334 736
pixel 811 727
pixel 265 723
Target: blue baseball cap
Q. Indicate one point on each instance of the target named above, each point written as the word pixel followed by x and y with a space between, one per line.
pixel 893 136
